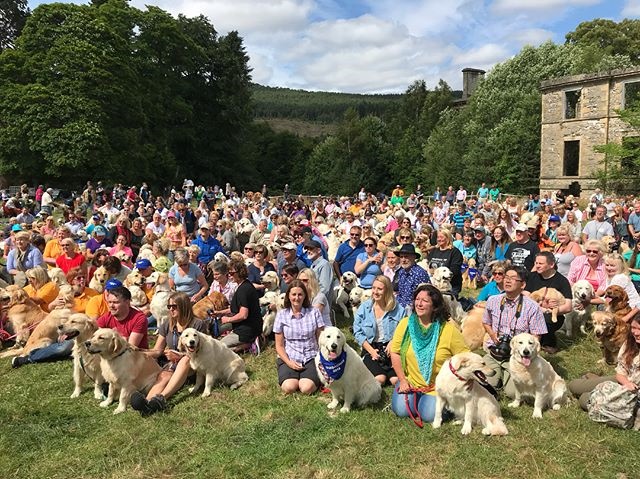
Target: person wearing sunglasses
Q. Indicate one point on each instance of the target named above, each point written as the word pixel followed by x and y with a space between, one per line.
pixel 348 252
pixel 368 263
pixel 590 266
pixel 496 285
pixel 175 365
pixel 618 275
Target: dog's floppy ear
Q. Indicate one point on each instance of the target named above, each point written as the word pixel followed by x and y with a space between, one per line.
pixel 115 344
pixel 463 362
pixel 512 343
pixel 181 347
pixel 536 344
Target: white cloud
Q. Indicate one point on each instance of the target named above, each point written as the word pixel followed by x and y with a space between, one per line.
pixel 246 16
pixel 631 8
pixel 531 36
pixel 484 56
pixel 546 6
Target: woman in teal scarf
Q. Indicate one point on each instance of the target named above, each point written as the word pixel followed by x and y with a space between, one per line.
pixel 421 343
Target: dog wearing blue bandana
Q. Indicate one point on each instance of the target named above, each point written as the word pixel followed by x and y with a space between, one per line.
pixel 342 371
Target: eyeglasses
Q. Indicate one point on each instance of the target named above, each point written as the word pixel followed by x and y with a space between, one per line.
pixel 172 306
pixel 512 278
pixel 232 272
pixel 404 237
pixel 304 280
pixel 259 252
pixel 355 235
pixel 592 251
pixel 369 244
pixel 248 249
pixel 498 273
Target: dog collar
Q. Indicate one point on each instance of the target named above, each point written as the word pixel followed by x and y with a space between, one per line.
pixel 123 351
pixel 333 370
pixel 468 382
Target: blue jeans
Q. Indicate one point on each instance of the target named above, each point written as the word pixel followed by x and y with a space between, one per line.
pixel 52 352
pixel 426 404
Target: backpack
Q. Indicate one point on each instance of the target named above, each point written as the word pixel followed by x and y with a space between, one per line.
pixel 613 405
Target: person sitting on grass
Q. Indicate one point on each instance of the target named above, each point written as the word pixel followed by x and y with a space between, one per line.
pixel 175 365
pixel 297 328
pixel 421 344
pixel 40 288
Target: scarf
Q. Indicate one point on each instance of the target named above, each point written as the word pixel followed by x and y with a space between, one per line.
pixel 333 370
pixel 425 343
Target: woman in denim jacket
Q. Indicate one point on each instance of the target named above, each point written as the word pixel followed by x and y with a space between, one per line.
pixel 373 327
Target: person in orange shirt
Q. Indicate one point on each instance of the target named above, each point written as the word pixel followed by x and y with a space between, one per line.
pixel 53 249
pixel 77 278
pixel 40 288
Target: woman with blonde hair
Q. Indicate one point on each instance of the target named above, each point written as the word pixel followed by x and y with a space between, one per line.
pixel 40 288
pixel 575 227
pixel 317 297
pixel 374 323
pixel 175 365
pixel 566 250
pixel 121 228
pixel 368 263
pixel 618 275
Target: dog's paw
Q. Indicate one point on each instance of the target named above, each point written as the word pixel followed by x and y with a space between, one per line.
pixel 514 404
pixel 120 409
pixel 436 423
pixel 486 431
pixel 457 422
pixel 537 413
pixel 333 404
pixel 466 429
pixel 192 389
pixel 76 393
pixel 556 407
pixel 206 394
pixel 105 403
pixel 344 409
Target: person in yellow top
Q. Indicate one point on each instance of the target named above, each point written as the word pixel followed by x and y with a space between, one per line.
pixel 421 344
pixel 40 288
pixel 53 249
pixel 77 278
pixel 397 191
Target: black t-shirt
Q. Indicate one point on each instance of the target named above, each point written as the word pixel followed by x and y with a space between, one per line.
pixel 452 259
pixel 535 282
pixel 247 296
pixel 522 255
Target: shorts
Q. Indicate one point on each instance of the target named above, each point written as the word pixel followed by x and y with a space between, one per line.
pixel 309 372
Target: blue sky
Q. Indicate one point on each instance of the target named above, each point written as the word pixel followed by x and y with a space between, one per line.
pixel 375 46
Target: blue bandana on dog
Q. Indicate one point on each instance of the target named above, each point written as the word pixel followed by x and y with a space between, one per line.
pixel 333 370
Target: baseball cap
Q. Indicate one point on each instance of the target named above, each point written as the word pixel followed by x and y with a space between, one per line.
pixel 143 263
pixel 112 283
pixel 100 231
pixel 205 226
pixel 289 245
pixel 171 214
pixel 521 227
pixel 16 227
pixel 312 244
pixel 480 229
pixel 555 218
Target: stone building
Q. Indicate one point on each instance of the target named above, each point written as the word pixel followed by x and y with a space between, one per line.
pixel 578 114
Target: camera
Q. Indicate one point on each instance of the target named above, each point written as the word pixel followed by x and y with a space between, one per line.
pixel 502 350
pixel 383 358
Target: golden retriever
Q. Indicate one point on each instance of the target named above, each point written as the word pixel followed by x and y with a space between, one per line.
pixel 212 361
pixel 271 281
pixel 470 275
pixel 617 301
pixel 100 277
pixel 271 303
pixel 23 315
pixel 542 295
pixel 80 328
pixel 125 367
pixel 134 283
pixel 473 331
pixel 57 276
pixel 611 332
pixel 350 382
pixel 161 293
pixel 582 293
pixel 456 389
pixel 215 301
pixel 533 376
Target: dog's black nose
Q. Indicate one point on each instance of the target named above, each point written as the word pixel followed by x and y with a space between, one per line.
pixel 87 343
pixel 334 346
pixel 526 352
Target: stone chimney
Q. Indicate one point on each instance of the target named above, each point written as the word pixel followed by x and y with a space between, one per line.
pixel 470 78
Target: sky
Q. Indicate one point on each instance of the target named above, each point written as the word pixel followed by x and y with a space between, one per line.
pixel 382 46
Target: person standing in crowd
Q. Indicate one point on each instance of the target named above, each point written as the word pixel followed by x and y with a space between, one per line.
pixel 523 250
pixel 597 228
pixel 321 267
pixel 444 254
pixel 368 263
pixel 409 276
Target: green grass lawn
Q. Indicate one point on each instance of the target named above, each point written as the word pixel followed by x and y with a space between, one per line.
pixel 256 432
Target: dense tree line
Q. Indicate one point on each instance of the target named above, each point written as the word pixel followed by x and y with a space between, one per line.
pixel 111 92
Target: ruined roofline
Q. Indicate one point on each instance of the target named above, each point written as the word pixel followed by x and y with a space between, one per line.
pixel 570 80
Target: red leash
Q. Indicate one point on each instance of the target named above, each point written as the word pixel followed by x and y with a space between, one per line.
pixel 417 419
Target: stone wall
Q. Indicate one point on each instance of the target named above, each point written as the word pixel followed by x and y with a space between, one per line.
pixel 596 123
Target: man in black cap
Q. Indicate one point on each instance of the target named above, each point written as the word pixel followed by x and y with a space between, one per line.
pixel 409 276
pixel 321 267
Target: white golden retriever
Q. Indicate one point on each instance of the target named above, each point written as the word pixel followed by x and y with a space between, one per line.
pixel 125 367
pixel 212 361
pixel 533 376
pixel 580 316
pixel 341 370
pixel 80 328
pixel 348 281
pixel 457 390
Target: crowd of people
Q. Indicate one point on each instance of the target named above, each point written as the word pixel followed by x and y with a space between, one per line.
pixel 508 247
